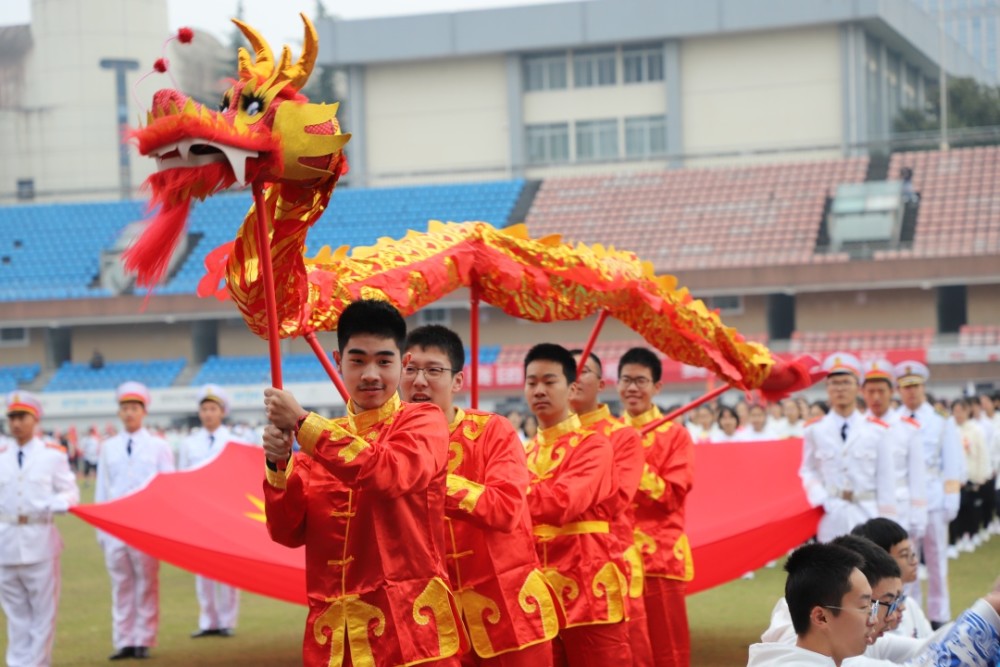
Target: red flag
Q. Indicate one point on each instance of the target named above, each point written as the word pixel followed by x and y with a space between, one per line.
pixel 747 507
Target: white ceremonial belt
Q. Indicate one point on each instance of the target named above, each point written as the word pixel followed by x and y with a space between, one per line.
pixel 25 519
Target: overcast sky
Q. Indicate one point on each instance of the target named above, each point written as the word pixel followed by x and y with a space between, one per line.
pixel 278 20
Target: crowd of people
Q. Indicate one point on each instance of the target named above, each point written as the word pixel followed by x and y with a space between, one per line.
pixel 441 535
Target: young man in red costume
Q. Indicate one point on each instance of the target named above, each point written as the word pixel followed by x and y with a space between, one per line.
pixel 573 483
pixel 659 513
pixel 629 459
pixel 366 496
pixel 490 546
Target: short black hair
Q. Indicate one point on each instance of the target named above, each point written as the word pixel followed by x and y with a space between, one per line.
pixel 642 356
pixel 878 565
pixel 371 317
pixel 443 338
pixel 597 360
pixel 884 532
pixel 556 353
pixel 819 575
pixel 822 405
pixel 726 410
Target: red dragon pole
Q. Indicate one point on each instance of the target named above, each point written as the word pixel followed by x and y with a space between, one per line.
pixel 328 366
pixel 589 347
pixel 270 300
pixel 718 391
pixel 474 352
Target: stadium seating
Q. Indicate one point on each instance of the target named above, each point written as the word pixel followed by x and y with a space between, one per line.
pixel 52 251
pixel 959 212
pixel 294 367
pixel 11 377
pixel 356 216
pixel 866 340
pixel 757 215
pixel 81 377
pixel 975 335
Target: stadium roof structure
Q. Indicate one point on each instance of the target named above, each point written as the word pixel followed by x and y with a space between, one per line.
pixel 587 23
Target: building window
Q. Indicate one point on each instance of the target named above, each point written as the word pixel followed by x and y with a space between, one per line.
pixel 548 143
pixel 643 63
pixel 726 305
pixel 440 316
pixel 13 337
pixel 545 72
pixel 25 188
pixel 645 136
pixel 594 68
pixel 597 139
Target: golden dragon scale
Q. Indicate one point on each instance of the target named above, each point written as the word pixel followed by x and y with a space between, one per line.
pixel 543 280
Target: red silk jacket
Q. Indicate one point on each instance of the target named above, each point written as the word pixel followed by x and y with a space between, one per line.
pixel 366 497
pixel 505 598
pixel 572 478
pixel 659 509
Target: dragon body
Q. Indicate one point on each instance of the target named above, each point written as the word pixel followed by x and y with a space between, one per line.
pixel 267 134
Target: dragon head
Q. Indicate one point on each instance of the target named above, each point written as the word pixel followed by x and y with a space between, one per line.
pixel 265 131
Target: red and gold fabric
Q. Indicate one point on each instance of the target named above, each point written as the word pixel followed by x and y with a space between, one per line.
pixel 629 460
pixel 366 497
pixel 572 481
pixel 659 508
pixel 505 599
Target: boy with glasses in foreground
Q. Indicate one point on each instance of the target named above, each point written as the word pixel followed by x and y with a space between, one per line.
pixel 973 640
pixel 893 538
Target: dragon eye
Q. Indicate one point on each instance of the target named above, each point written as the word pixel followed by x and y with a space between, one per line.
pixel 224 104
pixel 253 105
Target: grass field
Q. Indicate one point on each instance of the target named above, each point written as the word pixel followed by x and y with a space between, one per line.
pixel 723 620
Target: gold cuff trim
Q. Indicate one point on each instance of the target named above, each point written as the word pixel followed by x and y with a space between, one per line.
pixel 311 431
pixel 278 478
pixel 652 484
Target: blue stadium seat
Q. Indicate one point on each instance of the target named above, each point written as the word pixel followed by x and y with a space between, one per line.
pixel 81 377
pixel 11 377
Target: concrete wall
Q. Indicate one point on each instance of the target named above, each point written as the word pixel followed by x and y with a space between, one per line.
pixel 131 342
pixel 763 89
pixel 881 309
pixel 984 304
pixel 436 115
pixel 65 136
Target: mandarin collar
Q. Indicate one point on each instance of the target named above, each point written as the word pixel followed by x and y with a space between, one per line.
pixel 602 412
pixel 644 418
pixel 363 421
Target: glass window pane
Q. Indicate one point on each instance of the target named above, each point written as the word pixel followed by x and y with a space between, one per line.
pixel 606 71
pixel 655 62
pixel 557 73
pixel 560 144
pixel 633 68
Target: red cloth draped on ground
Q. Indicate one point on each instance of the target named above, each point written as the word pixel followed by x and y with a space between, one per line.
pixel 747 507
pixel 494 570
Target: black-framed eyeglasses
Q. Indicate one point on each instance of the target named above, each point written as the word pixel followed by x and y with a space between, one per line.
pixel 431 372
pixel 640 382
pixel 894 605
pixel 872 613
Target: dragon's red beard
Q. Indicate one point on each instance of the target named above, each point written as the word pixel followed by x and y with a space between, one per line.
pixel 173 190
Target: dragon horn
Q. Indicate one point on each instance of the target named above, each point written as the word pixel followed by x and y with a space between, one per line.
pixel 259 44
pixel 299 73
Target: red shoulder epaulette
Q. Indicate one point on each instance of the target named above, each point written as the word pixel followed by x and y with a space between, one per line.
pixel 876 420
pixel 911 420
pixel 812 421
pixel 54 445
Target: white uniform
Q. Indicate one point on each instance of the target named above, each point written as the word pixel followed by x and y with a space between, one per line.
pixel 861 465
pixel 134 575
pixel 911 473
pixel 30 493
pixel 218 602
pixel 944 460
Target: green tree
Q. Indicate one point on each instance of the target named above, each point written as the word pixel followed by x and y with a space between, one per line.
pixel 970 105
